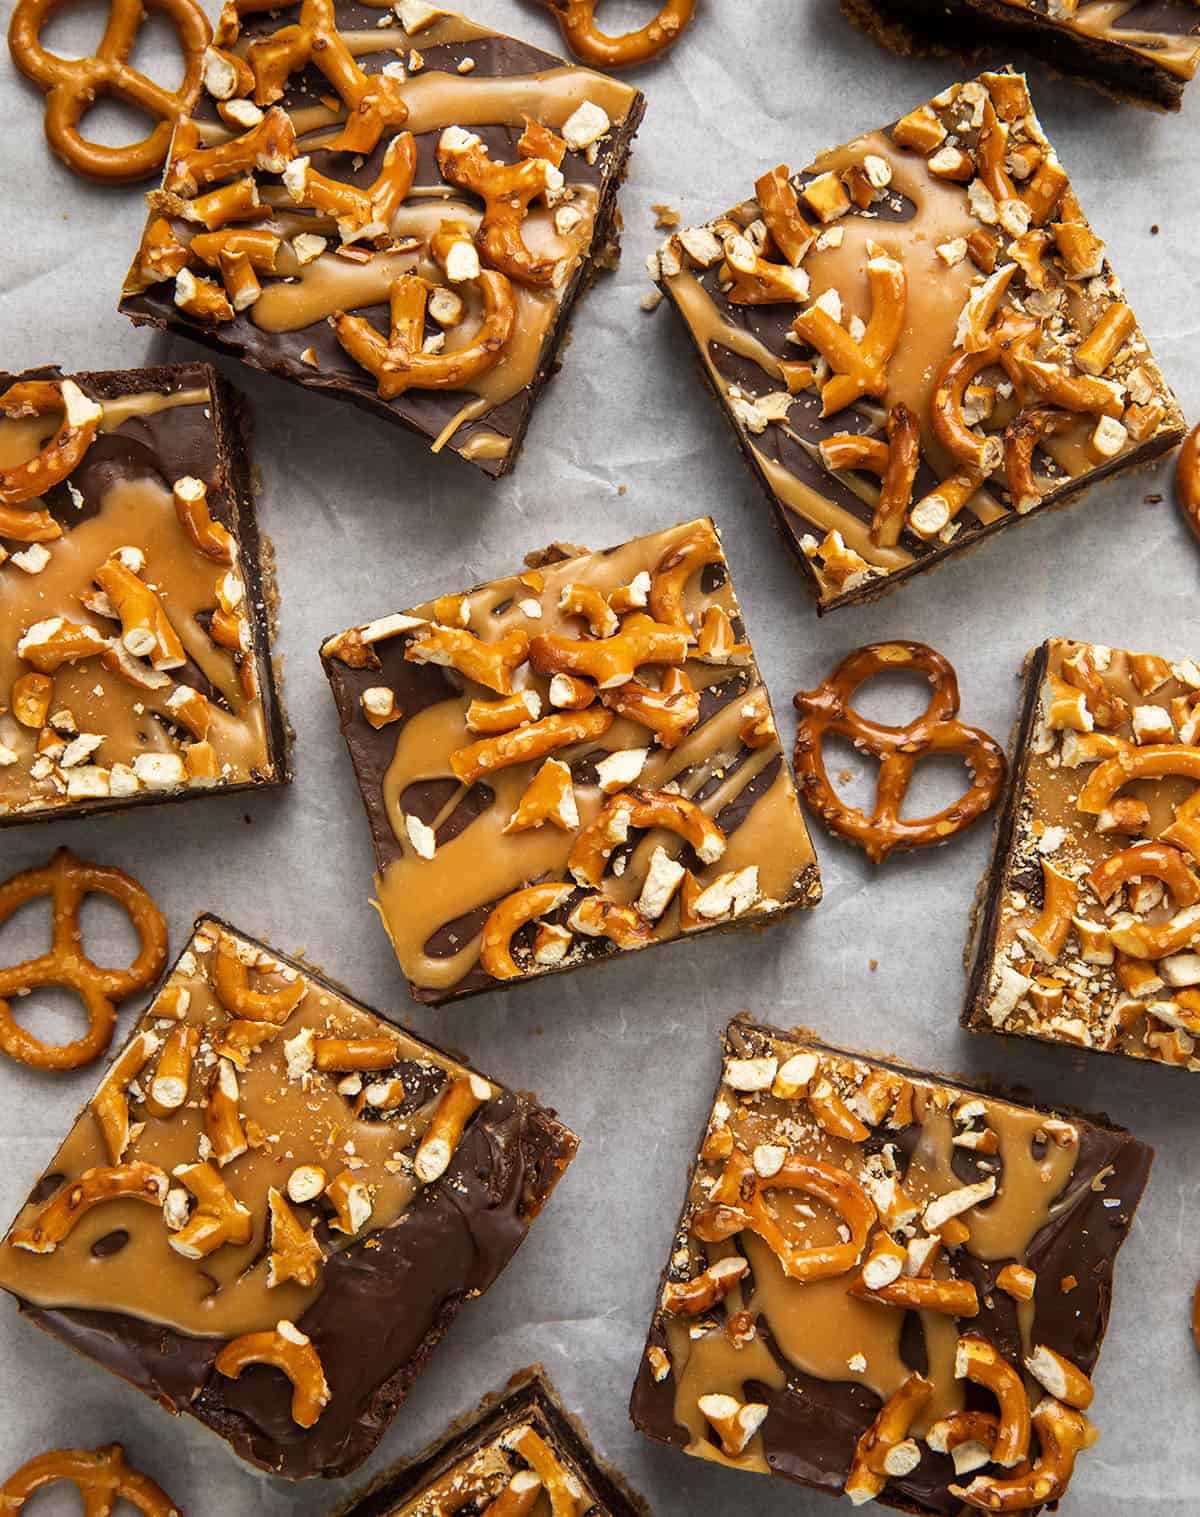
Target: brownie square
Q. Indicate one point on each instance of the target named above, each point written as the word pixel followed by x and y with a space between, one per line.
pixel 919 340
pixel 520 1448
pixel 1086 932
pixel 1143 52
pixel 570 762
pixel 859 1236
pixel 325 1193
pixel 399 209
pixel 137 597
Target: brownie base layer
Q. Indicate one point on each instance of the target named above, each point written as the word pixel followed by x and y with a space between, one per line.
pixel 970 27
pixel 166 445
pixel 813 1425
pixel 981 944
pixel 733 367
pixel 422 412
pixel 528 1396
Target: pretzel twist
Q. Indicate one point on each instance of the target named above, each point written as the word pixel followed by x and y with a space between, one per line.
pixel 1021 438
pixel 593 846
pixel 1063 1433
pixel 694 551
pixel 1187 480
pixel 895 462
pixel 739 1204
pixel 94 1187
pixel 507 917
pixel 1154 761
pixel 69 880
pixel 72 85
pixel 898 749
pixel 61 455
pixel 399 362
pixel 285 1348
pixel 231 980
pixel 506 190
pixel 980 1361
pixel 372 103
pixel 577 22
pixel 101 1476
pixel 876 1452
pixel 1153 860
pixel 860 368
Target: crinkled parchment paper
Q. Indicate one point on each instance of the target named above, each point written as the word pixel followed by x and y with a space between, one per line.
pixel 627 440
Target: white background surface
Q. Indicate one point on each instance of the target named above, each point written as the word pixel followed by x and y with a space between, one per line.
pixel 365 522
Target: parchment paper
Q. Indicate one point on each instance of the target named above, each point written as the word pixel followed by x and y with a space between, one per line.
pixel 626 440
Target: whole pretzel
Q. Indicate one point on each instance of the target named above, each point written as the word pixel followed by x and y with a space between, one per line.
pixel 577 22
pixel 1187 479
pixel 72 85
pixel 102 1477
pixel 898 749
pixel 68 880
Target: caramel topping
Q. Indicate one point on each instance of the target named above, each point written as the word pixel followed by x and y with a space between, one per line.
pixel 940 286
pixel 1096 925
pixel 388 230
pixel 216 1265
pixel 830 1328
pixel 429 881
pixel 130 703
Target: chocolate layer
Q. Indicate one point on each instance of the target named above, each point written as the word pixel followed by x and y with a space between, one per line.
pixel 384 1303
pixel 528 1400
pixel 969 27
pixel 986 911
pixel 325 366
pixel 813 1424
pixel 207 442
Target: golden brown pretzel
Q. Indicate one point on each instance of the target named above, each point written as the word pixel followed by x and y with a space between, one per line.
pixel 577 22
pixel 506 190
pixel 68 880
pixel 1154 860
pixel 94 1187
pixel 898 749
pixel 81 419
pixel 102 1477
pixel 399 362
pixel 882 1449
pixel 739 1204
pixel 72 85
pixel 894 461
pixel 1187 480
pixel 372 103
pixel 287 1349
pixel 1021 438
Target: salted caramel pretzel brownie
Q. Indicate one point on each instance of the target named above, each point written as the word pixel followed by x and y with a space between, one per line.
pixel 137 597
pixel 275 1205
pixel 519 1454
pixel 573 761
pixel 396 207
pixel 1146 51
pixel 1089 927
pixel 886 1285
pixel 918 340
